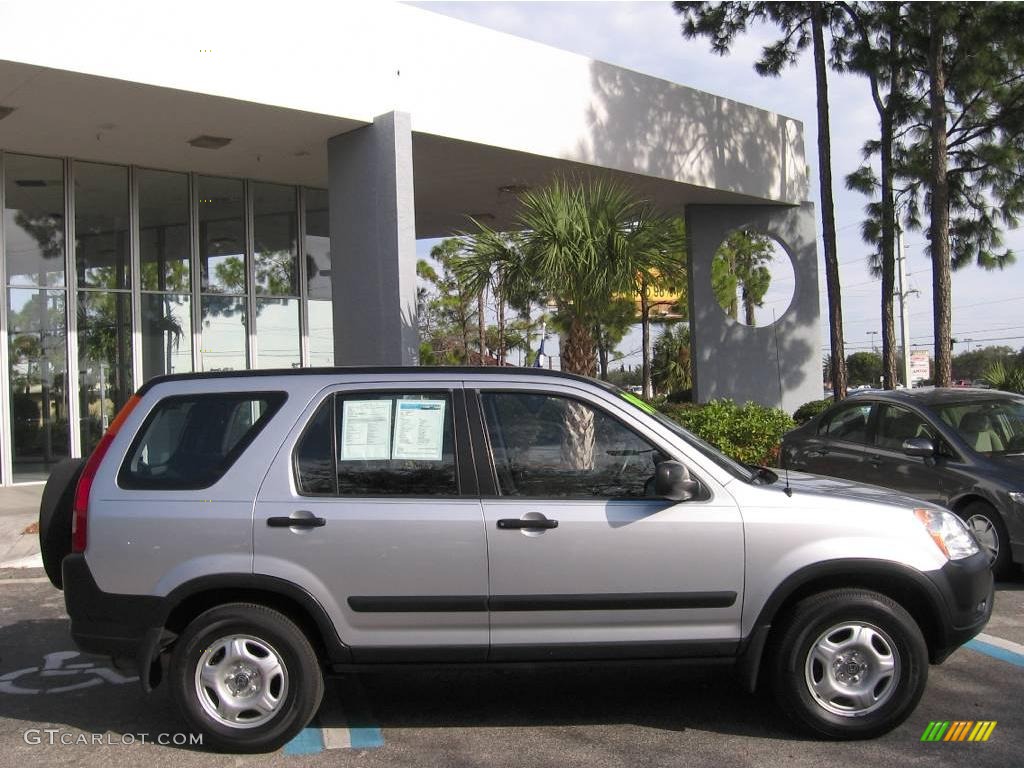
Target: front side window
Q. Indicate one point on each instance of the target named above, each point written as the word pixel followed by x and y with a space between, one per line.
pixel 897 424
pixel 379 444
pixel 849 424
pixel 190 441
pixel 546 446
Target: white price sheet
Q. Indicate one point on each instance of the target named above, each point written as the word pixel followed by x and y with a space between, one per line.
pixel 419 430
pixel 366 430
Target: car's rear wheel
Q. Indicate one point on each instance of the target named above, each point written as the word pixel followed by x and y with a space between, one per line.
pixel 849 664
pixel 987 527
pixel 245 677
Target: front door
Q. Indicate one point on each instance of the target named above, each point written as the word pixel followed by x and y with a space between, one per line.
pixel 584 561
pixel 372 508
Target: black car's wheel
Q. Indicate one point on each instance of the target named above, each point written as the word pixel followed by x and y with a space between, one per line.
pixel 988 528
pixel 245 677
pixel 55 512
pixel 849 664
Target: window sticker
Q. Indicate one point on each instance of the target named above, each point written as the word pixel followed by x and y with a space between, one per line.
pixel 419 430
pixel 632 399
pixel 366 430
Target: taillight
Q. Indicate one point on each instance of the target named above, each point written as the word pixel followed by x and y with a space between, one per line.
pixel 81 508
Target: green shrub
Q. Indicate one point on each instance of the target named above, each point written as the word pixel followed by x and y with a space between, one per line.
pixel 749 433
pixel 808 411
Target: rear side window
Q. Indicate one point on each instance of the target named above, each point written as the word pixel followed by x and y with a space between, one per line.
pixel 190 441
pixel 379 444
pixel 849 424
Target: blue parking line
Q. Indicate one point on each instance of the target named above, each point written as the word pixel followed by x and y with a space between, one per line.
pixel 996 652
pixel 309 741
pixel 366 738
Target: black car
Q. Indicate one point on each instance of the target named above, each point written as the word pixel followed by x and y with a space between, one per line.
pixel 961 448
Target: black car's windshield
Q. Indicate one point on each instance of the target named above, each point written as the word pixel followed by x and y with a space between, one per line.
pixel 993 426
pixel 732 467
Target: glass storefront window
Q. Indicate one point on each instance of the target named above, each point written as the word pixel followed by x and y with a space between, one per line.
pixel 34 220
pixel 275 240
pixel 321 333
pixel 318 245
pixel 166 334
pixel 101 226
pixel 104 361
pixel 37 329
pixel 224 333
pixel 222 235
pixel 163 230
pixel 277 344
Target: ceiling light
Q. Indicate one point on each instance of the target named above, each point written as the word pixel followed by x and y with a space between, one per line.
pixel 209 142
pixel 6 111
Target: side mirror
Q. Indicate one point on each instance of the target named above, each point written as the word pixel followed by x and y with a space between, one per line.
pixel 921 447
pixel 672 481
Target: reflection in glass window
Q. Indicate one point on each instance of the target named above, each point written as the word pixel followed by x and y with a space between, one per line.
pixel 101 225
pixel 278 337
pixel 849 423
pixel 318 245
pixel 321 333
pixel 275 239
pixel 166 334
pixel 556 447
pixel 222 235
pixel 163 230
pixel 34 220
pixel 104 361
pixel 37 328
pixel 224 333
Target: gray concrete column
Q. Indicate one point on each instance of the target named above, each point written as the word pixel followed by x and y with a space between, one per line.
pixel 373 243
pixel 739 362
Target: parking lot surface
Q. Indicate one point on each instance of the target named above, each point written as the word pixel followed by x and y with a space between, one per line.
pixel 58 707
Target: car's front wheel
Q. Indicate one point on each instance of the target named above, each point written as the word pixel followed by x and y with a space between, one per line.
pixel 987 527
pixel 849 664
pixel 245 677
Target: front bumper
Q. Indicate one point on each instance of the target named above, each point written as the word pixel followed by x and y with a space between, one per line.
pixel 966 587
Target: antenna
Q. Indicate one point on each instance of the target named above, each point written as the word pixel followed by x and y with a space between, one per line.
pixel 778 370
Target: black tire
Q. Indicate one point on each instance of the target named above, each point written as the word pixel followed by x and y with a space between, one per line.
pixel 890 633
pixel 55 512
pixel 982 516
pixel 300 689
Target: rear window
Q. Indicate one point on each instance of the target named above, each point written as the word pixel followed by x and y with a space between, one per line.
pixel 190 441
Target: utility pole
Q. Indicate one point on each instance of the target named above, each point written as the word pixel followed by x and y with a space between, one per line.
pixel 902 293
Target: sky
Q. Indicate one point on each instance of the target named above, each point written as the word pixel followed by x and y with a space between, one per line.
pixel 645 37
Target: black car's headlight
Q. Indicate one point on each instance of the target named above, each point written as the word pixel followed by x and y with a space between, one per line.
pixel 948 532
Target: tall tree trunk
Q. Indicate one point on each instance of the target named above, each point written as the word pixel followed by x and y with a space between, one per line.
pixel 889 362
pixel 500 296
pixel 828 218
pixel 939 232
pixel 749 316
pixel 481 324
pixel 578 350
pixel 645 333
pixel 602 356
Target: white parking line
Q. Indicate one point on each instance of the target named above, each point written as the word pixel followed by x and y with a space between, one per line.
pixel 1006 645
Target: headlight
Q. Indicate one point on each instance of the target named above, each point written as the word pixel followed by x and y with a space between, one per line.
pixel 948 532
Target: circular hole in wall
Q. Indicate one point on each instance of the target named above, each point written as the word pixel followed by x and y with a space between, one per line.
pixel 752 277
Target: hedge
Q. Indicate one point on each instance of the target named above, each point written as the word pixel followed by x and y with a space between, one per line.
pixel 749 433
pixel 808 411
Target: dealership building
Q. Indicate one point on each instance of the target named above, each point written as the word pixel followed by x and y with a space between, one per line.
pixel 247 192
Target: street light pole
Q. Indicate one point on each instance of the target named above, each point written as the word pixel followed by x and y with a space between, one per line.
pixel 902 293
pixel 874 346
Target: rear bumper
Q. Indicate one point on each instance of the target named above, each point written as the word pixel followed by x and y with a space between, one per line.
pixel 125 626
pixel 966 587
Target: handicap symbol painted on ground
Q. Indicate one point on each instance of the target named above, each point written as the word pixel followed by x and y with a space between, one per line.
pixel 74 677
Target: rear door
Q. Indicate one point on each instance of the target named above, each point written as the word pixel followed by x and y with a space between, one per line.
pixel 585 562
pixel 838 446
pixel 372 508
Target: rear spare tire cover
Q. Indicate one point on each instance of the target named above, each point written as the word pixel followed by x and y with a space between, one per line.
pixel 55 511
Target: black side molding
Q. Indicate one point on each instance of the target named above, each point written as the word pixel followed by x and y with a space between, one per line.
pixel 624 601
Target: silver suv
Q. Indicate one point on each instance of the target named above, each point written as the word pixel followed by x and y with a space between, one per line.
pixel 241 535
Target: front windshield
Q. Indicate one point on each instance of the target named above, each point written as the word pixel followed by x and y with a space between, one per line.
pixel 993 426
pixel 729 465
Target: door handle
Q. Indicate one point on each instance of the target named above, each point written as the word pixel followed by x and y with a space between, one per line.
pixel 513 523
pixel 296 522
